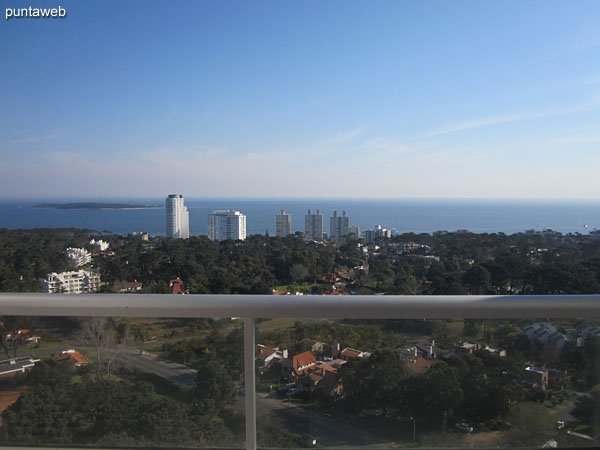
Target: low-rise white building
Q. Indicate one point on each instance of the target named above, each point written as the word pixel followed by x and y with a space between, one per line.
pixel 78 257
pixel 100 245
pixel 74 282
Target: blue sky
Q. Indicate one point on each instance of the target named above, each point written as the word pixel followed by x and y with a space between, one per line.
pixel 302 99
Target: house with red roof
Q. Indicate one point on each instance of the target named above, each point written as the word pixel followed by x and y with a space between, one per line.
pixel 268 355
pixel 72 357
pixel 419 365
pixel 302 362
pixel 323 377
pixel 351 353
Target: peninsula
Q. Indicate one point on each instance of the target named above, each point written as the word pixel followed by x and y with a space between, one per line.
pixel 93 205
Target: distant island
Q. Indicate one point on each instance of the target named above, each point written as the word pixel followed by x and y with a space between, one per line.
pixel 93 205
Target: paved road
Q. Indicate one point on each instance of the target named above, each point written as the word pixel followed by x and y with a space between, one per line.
pixel 564 412
pixel 175 373
pixel 329 432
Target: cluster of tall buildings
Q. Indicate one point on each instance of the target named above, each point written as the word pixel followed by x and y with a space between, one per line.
pixel 339 226
pixel 222 224
pixel 230 224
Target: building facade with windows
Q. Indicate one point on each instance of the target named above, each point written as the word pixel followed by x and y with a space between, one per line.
pixel 283 224
pixel 178 218
pixel 78 257
pixel 338 227
pixel 226 224
pixel 74 282
pixel 313 226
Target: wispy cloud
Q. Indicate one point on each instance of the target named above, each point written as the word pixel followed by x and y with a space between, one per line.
pixel 344 137
pixel 515 117
pixel 32 139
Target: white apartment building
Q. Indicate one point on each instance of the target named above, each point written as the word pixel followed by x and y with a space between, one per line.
pixel 74 282
pixel 100 245
pixel 78 257
pixel 226 224
pixel 283 224
pixel 313 226
pixel 178 218
pixel 338 227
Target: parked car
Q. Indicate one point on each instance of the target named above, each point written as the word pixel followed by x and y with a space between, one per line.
pixel 464 427
pixel 295 391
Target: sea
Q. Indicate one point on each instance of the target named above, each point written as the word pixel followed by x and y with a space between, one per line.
pixel 401 215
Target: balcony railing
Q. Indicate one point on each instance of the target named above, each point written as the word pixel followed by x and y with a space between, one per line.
pixel 251 307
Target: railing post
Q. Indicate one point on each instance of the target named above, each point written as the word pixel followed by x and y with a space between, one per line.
pixel 250 382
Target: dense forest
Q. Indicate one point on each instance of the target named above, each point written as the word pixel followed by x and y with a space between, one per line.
pixel 443 263
pixel 108 405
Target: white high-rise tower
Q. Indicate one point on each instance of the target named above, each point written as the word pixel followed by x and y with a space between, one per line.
pixel 226 224
pixel 178 218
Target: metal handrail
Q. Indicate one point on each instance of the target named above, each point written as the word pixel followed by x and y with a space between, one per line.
pixel 309 306
pixel 304 306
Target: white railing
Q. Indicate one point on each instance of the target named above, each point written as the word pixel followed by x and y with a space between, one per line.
pixel 252 307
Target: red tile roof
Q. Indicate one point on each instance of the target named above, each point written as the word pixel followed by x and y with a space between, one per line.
pixel 318 372
pixel 419 365
pixel 72 356
pixel 266 351
pixel 351 353
pixel 302 361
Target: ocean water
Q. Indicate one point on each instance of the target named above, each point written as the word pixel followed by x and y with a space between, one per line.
pixel 418 216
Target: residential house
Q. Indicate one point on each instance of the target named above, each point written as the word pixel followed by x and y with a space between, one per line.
pixel 494 351
pixel 544 333
pixel 13 366
pixel 132 286
pixel 466 347
pixel 428 349
pixel 419 364
pixel 72 357
pixel 538 376
pixel 299 364
pixel 350 353
pixel 323 378
pixel 407 354
pixel 268 355
pixel 315 346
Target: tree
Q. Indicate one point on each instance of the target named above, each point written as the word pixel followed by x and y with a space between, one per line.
pixel 531 423
pixel 587 411
pixel 214 390
pixel 470 328
pixel 42 415
pixel 434 395
pixel 101 335
pixel 298 272
pixel 478 279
